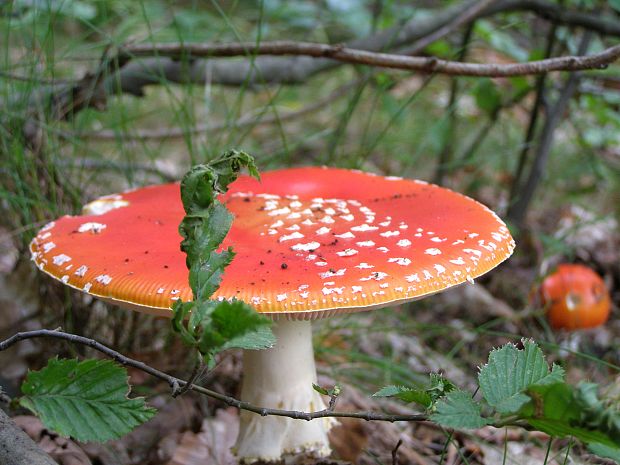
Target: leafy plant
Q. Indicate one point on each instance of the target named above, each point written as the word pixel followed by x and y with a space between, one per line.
pixel 208 325
pixel 520 389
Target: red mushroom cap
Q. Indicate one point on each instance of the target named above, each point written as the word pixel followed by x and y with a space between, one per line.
pixel 309 242
pixel 576 297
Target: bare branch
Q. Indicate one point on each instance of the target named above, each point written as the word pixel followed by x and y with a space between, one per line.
pixel 386 60
pixel 176 383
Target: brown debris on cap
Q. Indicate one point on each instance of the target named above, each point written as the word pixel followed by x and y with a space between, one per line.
pixel 310 242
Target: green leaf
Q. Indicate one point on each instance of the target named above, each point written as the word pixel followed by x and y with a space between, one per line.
pixel 406 394
pixel 561 429
pixel 615 4
pixel 85 400
pixel 459 410
pixel 236 325
pixel 562 410
pixel 320 389
pixel 335 391
pixel 602 450
pixel 436 388
pixel 212 326
pixel 510 371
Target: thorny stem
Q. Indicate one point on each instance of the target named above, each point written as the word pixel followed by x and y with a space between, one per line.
pixel 176 383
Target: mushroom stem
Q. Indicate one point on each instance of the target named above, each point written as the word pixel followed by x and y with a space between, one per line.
pixel 282 378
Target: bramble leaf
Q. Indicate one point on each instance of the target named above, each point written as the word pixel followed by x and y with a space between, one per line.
pixel 510 371
pixel 459 410
pixel 86 400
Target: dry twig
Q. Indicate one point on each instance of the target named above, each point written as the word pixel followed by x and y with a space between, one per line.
pixel 435 65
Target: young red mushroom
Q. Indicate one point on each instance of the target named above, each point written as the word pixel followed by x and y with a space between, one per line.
pixel 575 297
pixel 310 243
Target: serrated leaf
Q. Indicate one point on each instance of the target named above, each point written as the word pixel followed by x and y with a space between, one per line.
pixel 510 371
pixel 205 324
pixel 235 325
pixel 389 391
pixel 459 410
pixel 85 400
pixel 406 394
pixel 438 386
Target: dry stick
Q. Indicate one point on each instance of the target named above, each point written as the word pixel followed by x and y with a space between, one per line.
pixel 517 211
pixel 176 383
pixel 247 120
pixel 362 57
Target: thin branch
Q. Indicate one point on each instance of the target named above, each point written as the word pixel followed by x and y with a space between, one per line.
pixel 341 53
pixel 176 383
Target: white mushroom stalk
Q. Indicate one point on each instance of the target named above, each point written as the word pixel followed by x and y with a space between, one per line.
pixel 282 378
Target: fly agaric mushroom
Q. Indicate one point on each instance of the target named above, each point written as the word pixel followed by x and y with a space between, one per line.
pixel 576 298
pixel 310 243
